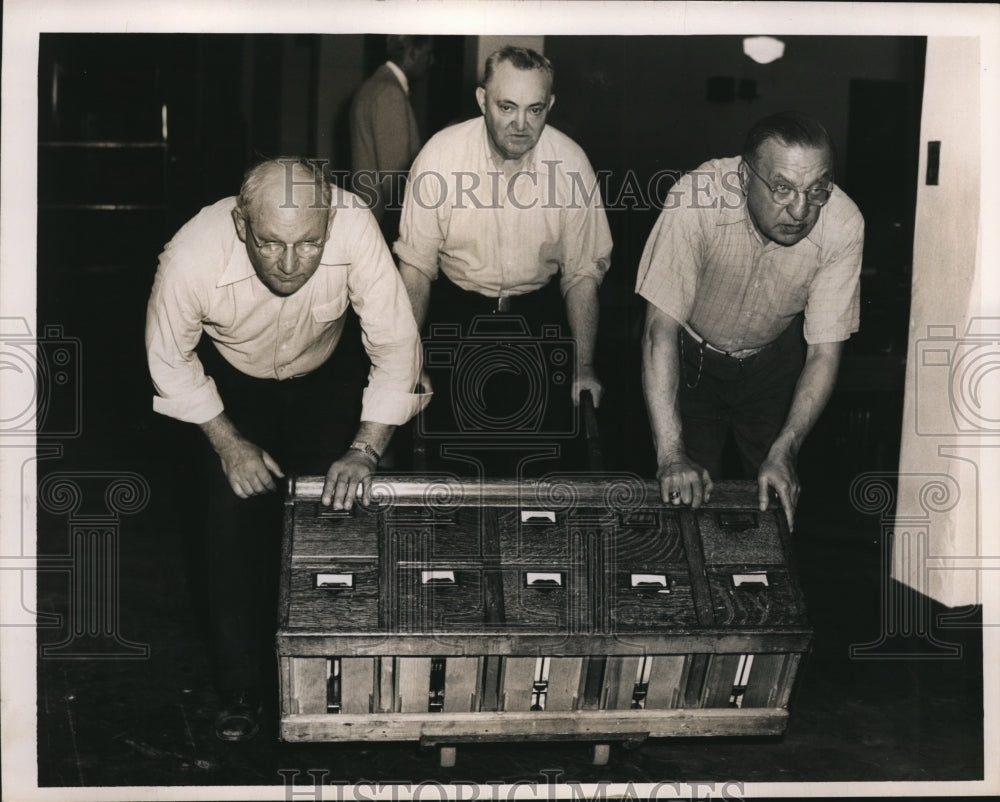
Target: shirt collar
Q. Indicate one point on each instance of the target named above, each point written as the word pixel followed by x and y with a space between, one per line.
pixel 400 75
pixel 238 267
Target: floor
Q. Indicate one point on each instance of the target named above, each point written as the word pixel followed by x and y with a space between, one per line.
pixel 136 707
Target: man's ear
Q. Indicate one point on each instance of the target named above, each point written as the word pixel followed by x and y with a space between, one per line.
pixel 481 98
pixel 552 100
pixel 241 224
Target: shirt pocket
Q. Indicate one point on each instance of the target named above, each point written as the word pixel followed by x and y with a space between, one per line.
pixel 331 310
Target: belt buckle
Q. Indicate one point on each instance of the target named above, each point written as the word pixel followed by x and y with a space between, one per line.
pixel 503 303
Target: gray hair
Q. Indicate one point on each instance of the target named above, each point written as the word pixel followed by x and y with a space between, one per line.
pixel 521 58
pixel 255 178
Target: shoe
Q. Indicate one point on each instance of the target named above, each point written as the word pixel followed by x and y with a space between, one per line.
pixel 239 719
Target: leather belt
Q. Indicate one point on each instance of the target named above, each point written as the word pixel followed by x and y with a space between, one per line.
pixel 745 353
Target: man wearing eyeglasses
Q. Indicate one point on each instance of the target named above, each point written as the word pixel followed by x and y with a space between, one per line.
pixel 268 277
pixel 743 247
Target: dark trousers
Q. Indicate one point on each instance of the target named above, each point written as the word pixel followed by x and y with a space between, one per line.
pixel 502 379
pixel 748 398
pixel 304 424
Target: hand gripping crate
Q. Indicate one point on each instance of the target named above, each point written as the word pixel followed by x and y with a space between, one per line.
pixel 567 608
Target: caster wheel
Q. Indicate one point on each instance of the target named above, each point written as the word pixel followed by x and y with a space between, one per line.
pixel 447 757
pixel 601 754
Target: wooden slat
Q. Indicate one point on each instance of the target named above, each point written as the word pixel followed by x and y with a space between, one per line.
pixel 357 677
pixel 700 592
pixel 461 678
pixel 413 682
pixel 697 669
pixel 719 680
pixel 287 698
pixel 491 668
pixel 765 680
pixel 620 681
pixel 759 640
pixel 593 682
pixel 594 725
pixel 385 701
pixel 564 683
pixel 787 682
pixel 288 528
pixel 309 684
pixel 518 675
pixel 666 678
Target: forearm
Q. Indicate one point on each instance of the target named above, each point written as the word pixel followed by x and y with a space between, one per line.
pixel 418 289
pixel 583 313
pixel 222 434
pixel 812 392
pixel 660 382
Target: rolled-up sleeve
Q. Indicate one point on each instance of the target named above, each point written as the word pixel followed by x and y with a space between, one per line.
pixel 833 310
pixel 668 269
pixel 173 329
pixel 422 222
pixel 586 236
pixel 388 329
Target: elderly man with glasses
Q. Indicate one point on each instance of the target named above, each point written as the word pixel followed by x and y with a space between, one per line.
pixel 751 278
pixel 268 277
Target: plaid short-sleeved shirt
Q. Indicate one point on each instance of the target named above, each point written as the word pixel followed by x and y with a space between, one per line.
pixel 706 266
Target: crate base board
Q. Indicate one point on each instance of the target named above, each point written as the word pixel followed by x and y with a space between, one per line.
pixel 628 725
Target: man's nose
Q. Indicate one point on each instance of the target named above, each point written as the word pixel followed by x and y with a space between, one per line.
pixel 286 264
pixel 521 120
pixel 799 208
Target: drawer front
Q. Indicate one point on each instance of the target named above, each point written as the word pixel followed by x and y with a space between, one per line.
pixel 547 598
pixel 740 536
pixel 439 599
pixel 650 599
pixel 324 533
pixel 332 596
pixel 755 596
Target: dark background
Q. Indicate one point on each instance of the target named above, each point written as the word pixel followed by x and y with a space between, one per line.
pixel 137 132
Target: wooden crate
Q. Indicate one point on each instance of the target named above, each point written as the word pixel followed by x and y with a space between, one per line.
pixel 574 607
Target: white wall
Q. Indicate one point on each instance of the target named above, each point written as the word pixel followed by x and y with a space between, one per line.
pixel 948 484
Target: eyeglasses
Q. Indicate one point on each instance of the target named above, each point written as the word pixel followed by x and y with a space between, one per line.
pixel 272 249
pixel 783 194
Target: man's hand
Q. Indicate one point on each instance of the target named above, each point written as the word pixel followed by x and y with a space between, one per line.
pixel 249 468
pixel 683 481
pixel 346 476
pixel 778 471
pixel 586 379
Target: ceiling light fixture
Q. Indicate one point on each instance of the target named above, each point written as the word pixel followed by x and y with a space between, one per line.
pixel 763 49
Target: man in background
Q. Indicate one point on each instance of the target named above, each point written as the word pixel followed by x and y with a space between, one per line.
pixel 384 133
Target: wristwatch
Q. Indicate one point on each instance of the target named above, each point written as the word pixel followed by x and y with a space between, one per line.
pixel 366 448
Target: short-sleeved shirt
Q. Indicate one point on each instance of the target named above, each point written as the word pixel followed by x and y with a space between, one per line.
pixel 501 237
pixel 206 283
pixel 706 265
